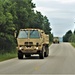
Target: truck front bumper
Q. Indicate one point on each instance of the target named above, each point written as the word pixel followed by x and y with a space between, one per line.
pixel 31 50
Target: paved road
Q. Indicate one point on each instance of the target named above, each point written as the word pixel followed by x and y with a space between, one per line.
pixel 61 60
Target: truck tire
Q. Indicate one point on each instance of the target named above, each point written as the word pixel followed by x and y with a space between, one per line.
pixel 27 55
pixel 41 55
pixel 46 52
pixel 20 55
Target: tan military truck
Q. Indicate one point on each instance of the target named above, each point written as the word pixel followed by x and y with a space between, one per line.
pixel 32 41
pixel 56 40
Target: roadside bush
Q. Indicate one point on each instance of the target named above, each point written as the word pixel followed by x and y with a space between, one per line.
pixel 7 43
pixel 72 38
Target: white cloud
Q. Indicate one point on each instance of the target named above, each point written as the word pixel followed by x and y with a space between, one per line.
pixel 56 13
pixel 62 1
pixel 61 14
pixel 66 1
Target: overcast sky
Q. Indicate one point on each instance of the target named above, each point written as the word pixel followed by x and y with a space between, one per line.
pixel 61 14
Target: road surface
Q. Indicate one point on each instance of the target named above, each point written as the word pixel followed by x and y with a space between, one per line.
pixel 61 60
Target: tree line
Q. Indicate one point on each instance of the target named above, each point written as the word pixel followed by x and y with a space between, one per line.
pixel 69 36
pixel 18 14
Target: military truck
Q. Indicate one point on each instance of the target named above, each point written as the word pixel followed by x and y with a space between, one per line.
pixel 32 41
pixel 56 40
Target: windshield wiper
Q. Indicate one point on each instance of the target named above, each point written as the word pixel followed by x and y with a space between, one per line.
pixel 26 32
pixel 31 31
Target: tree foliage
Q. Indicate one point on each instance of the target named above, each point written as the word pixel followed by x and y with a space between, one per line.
pixel 17 14
pixel 72 38
pixel 67 36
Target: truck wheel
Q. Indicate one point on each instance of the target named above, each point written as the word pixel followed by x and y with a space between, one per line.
pixel 27 55
pixel 41 55
pixel 46 53
pixel 20 55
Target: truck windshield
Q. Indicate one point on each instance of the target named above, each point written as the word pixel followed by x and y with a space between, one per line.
pixel 34 34
pixel 23 34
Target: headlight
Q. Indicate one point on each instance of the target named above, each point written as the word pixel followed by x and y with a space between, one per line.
pixel 20 48
pixel 37 48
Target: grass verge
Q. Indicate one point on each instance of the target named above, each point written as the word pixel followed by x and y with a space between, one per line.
pixel 50 43
pixel 7 56
pixel 73 44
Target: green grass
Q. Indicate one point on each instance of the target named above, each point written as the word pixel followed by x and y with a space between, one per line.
pixel 73 44
pixel 7 56
pixel 50 43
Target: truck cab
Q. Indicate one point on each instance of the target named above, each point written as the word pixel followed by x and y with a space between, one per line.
pixel 32 41
pixel 56 40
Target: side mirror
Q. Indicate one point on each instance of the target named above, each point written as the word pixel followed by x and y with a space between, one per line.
pixel 41 34
pixel 15 34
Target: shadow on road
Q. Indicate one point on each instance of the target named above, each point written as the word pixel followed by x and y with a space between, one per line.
pixel 31 58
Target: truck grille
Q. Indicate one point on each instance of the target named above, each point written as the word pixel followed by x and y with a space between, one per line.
pixel 28 43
